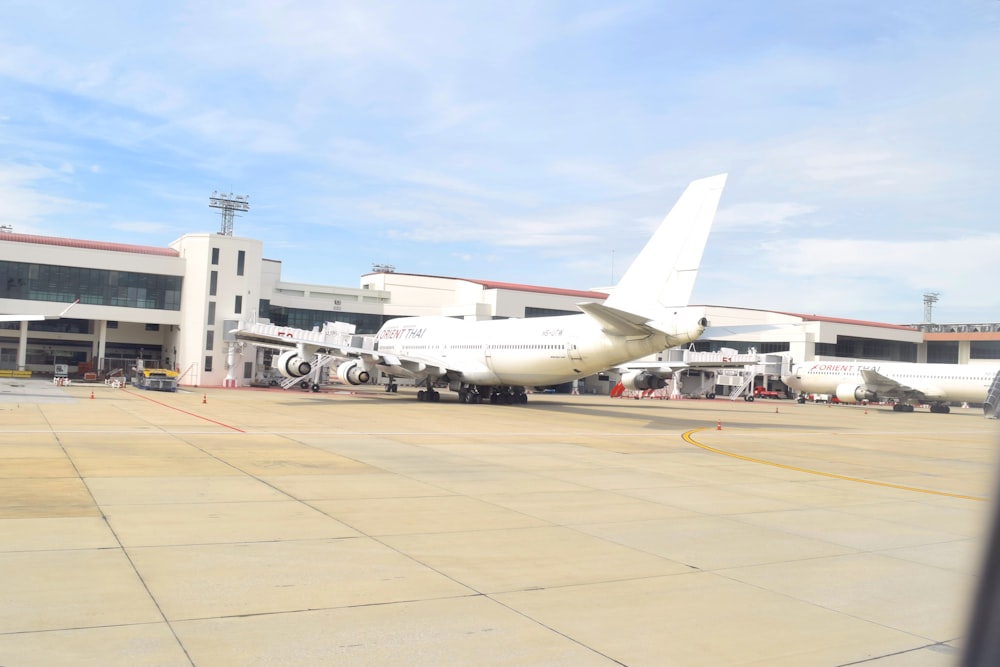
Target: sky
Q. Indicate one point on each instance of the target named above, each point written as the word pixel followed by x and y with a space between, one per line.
pixel 536 142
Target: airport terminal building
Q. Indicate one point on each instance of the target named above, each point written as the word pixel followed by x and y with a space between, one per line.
pixel 172 307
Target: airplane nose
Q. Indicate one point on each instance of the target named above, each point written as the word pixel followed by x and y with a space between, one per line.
pixel 787 370
pixel 789 378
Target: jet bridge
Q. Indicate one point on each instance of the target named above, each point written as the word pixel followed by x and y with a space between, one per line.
pixel 740 380
pixel 701 374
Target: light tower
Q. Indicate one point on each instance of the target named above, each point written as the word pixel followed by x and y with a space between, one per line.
pixel 930 298
pixel 229 204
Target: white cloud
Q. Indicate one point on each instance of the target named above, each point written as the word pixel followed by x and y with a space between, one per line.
pixel 764 217
pixel 26 205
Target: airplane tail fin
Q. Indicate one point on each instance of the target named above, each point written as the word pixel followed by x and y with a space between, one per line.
pixel 664 272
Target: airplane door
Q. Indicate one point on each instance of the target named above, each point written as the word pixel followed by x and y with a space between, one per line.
pixel 573 350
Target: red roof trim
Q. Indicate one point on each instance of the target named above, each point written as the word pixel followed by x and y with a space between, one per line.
pixel 89 245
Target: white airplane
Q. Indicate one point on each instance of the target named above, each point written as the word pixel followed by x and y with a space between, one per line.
pixel 496 360
pixel 35 318
pixel 905 383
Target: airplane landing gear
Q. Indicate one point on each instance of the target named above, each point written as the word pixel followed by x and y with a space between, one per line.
pixel 508 396
pixel 429 394
pixel 469 394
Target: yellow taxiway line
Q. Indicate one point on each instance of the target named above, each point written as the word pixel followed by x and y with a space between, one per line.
pixel 688 437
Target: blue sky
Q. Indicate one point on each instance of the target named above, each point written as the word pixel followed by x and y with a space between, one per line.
pixel 533 142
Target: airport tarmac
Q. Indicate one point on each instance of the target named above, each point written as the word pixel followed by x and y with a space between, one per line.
pixel 260 527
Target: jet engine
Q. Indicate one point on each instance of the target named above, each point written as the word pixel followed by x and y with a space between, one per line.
pixel 638 380
pixel 291 365
pixel 852 393
pixel 353 372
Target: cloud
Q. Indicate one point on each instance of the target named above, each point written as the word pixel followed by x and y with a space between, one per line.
pixel 762 216
pixel 916 262
pixel 26 204
pixel 880 280
pixel 538 135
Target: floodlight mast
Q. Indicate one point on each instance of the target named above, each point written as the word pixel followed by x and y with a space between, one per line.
pixel 930 298
pixel 229 204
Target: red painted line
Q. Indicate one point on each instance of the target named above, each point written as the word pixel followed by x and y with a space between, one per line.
pixel 191 414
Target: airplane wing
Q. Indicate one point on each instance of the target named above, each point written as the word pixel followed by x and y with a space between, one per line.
pixel 666 369
pixel 663 369
pixel 886 386
pixel 341 346
pixel 36 318
pixel 311 342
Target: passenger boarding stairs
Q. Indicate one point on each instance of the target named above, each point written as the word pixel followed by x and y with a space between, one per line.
pixel 741 379
pixel 319 362
pixel 991 407
pixel 749 373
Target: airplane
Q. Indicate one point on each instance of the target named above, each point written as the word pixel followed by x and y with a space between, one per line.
pixel 904 382
pixel 35 318
pixel 496 360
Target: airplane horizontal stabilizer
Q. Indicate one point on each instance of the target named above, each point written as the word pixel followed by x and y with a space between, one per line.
pixel 723 330
pixel 617 322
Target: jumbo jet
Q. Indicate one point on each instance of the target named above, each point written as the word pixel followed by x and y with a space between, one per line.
pixel 496 360
pixel 904 383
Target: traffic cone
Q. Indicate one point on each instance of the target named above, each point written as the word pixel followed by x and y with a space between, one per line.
pixel 776 409
pixel 91 395
pixel 204 398
pixel 718 425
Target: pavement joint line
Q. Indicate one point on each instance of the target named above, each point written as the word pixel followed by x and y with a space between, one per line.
pixel 121 548
pixel 688 437
pixel 186 412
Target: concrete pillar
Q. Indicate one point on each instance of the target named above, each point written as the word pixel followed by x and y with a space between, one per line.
pixel 100 344
pixel 964 351
pixel 22 348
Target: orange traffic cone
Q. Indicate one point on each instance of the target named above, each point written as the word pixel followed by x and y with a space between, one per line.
pixel 91 395
pixel 718 425
pixel 204 398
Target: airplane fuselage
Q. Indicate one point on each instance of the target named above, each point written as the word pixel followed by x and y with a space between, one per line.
pixel 518 352
pixel 937 382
